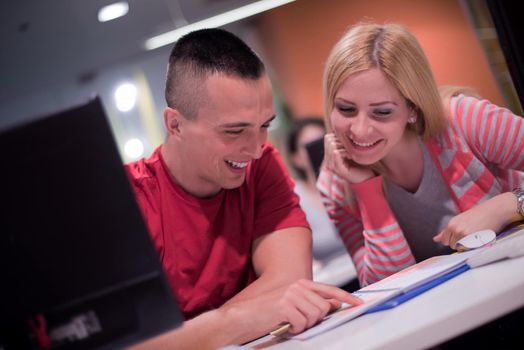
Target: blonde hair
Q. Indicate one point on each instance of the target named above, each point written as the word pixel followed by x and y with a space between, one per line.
pixel 394 50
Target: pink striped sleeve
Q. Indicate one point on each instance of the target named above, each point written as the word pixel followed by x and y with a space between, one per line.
pixel 495 133
pixel 367 227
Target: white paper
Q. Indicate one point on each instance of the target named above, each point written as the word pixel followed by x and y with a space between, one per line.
pixel 346 313
pixel 384 290
pixel 422 272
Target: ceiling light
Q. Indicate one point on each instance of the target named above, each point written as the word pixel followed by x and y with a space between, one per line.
pixel 134 148
pixel 125 97
pixel 110 12
pixel 215 21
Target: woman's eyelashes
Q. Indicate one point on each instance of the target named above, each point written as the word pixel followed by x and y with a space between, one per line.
pixel 377 113
pixel 382 113
pixel 346 109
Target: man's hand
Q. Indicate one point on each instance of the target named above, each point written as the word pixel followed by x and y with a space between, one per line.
pixel 305 303
pixel 301 305
pixel 283 293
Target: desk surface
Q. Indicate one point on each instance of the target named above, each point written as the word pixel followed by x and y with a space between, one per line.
pixel 461 304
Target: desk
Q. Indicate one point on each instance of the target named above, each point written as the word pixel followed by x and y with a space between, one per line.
pixel 461 304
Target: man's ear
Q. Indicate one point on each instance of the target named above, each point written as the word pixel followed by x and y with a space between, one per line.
pixel 172 119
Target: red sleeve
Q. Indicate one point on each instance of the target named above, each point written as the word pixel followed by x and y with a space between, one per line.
pixel 276 204
pixel 146 193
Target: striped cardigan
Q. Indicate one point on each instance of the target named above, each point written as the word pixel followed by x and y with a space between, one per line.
pixel 479 155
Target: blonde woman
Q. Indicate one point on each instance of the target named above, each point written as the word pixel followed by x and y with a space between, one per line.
pixel 405 176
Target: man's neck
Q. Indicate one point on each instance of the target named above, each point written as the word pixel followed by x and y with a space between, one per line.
pixel 189 182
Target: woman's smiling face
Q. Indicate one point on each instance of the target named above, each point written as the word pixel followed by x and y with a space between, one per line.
pixel 369 116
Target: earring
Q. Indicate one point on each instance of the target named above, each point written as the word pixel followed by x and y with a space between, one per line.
pixel 412 120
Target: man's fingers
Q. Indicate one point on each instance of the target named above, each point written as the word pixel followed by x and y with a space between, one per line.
pixel 311 304
pixel 334 304
pixel 297 321
pixel 304 308
pixel 307 302
pixel 328 291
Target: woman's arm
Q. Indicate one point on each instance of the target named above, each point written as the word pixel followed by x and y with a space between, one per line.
pixel 368 229
pixel 496 137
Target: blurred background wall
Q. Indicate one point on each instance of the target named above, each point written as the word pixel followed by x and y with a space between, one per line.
pixel 297 39
pixel 293 40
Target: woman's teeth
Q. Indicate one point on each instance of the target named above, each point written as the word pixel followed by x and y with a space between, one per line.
pixel 364 144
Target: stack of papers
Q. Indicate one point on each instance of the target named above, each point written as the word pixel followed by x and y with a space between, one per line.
pixel 421 273
pixel 376 295
pixel 416 279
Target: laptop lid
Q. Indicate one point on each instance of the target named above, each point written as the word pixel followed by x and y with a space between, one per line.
pixel 73 243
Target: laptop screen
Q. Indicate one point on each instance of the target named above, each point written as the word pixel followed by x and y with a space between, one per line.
pixel 73 244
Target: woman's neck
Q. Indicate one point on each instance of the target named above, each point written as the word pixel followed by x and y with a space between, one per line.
pixel 405 164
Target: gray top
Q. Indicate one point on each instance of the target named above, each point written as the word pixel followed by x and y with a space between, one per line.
pixel 423 214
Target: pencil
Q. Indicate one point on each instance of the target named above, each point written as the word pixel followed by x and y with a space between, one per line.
pixel 280 330
pixel 284 328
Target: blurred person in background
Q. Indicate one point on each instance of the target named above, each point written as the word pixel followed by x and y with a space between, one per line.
pixel 331 261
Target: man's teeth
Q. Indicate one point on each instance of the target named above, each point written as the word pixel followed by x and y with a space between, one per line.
pixel 238 165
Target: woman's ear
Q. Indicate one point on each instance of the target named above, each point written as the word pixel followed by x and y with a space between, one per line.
pixel 413 115
pixel 172 120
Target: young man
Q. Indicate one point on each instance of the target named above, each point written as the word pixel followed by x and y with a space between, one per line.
pixel 219 203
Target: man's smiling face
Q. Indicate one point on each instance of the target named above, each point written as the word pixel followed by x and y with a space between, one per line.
pixel 227 133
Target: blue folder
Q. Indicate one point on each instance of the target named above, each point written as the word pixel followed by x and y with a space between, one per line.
pixel 401 298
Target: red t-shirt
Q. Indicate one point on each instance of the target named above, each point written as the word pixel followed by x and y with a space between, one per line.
pixel 205 244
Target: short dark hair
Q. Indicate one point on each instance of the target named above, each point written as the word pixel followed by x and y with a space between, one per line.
pixel 294 133
pixel 199 54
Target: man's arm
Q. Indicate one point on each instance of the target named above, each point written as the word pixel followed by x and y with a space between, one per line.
pixel 284 292
pixel 302 304
pixel 210 330
pixel 279 258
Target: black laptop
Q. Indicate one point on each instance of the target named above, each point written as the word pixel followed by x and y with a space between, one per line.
pixel 77 267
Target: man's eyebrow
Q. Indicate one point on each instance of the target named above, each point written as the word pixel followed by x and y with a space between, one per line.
pixel 244 124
